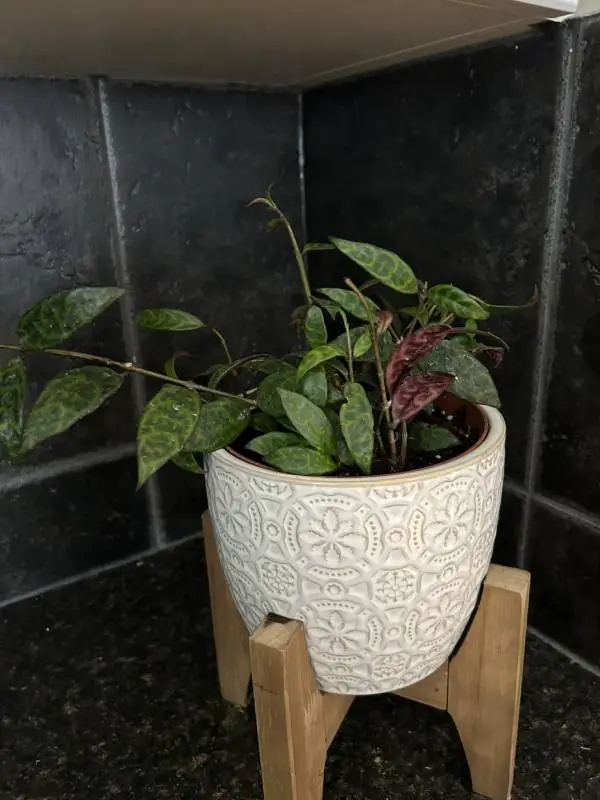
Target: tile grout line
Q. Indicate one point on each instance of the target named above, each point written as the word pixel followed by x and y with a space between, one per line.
pixel 588 521
pixel 302 167
pixel 514 488
pixel 581 662
pixel 130 334
pixel 571 513
pixel 559 180
pixel 54 469
pixel 97 571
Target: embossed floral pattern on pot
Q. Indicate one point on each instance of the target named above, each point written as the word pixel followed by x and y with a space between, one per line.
pixel 383 571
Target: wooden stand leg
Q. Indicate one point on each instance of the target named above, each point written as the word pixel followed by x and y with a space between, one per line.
pixel 480 687
pixel 229 632
pixel 296 722
pixel 484 681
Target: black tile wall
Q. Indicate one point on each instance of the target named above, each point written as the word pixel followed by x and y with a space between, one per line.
pixel 466 166
pixel 564 558
pixel 447 162
pixel 104 181
pixel 69 524
pixel 188 163
pixel 506 549
pixel 570 465
pixel 56 231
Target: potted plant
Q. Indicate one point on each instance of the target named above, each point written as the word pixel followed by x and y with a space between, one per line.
pixel 355 486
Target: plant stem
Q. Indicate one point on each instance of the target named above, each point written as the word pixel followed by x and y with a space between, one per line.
pixel 221 338
pixel 479 332
pixel 349 343
pixel 380 374
pixel 403 444
pixel 127 367
pixel 235 365
pixel 270 203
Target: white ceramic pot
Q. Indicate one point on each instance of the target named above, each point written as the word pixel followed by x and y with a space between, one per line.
pixel 383 571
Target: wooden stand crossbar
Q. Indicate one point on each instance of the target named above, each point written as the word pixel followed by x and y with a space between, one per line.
pixel 480 686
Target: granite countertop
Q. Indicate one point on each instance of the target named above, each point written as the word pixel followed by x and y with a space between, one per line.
pixel 108 689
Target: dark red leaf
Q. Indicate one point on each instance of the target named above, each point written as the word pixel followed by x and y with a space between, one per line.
pixel 415 392
pixel 495 353
pixel 415 346
pixel 384 320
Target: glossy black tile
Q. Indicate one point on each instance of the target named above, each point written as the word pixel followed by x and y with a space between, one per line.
pixel 69 524
pixel 188 162
pixel 509 530
pixel 570 467
pixel 56 231
pixel 564 559
pixel 183 499
pixel 447 162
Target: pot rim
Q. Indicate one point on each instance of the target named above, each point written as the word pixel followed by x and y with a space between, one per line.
pixel 485 446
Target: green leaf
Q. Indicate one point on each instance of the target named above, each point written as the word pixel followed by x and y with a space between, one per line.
pixel 168 319
pixel 318 356
pixel 341 341
pixel 314 327
pixel 309 420
pixel 472 381
pixel 187 462
pixel 363 344
pixel 347 300
pixel 314 386
pixel 56 318
pixel 344 455
pixel 301 461
pixel 317 247
pixel 263 422
pixel 335 365
pixel 267 397
pixel 13 384
pixel 451 299
pixel 166 425
pixel 431 438
pixel 170 365
pixel 421 314
pixel 285 423
pixel 356 419
pixel 334 393
pixel 332 308
pixel 66 399
pixel 384 265
pixel 269 442
pixel 266 365
pixel 218 373
pixel 219 424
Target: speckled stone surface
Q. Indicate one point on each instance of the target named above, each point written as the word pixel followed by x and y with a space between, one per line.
pixel 108 689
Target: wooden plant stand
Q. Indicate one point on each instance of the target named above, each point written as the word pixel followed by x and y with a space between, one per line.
pixel 480 686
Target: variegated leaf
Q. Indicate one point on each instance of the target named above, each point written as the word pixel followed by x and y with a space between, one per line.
pixel 165 426
pixel 382 264
pixel 56 318
pixel 309 420
pixel 356 419
pixel 66 399
pixel 301 461
pixel 219 424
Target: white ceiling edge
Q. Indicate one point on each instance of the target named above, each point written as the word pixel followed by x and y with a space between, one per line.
pixel 570 6
pixel 583 8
